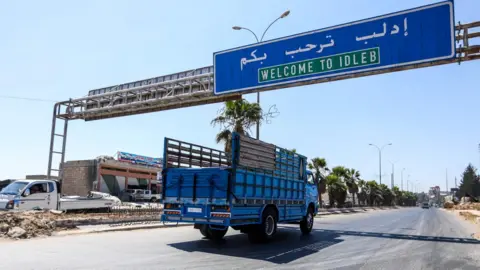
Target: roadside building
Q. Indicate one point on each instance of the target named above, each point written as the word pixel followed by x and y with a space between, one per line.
pixel 112 175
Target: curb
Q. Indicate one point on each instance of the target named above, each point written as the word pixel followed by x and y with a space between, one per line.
pixel 122 229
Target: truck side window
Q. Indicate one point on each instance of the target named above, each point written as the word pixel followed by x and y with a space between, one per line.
pixel 51 187
pixel 310 179
pixel 38 188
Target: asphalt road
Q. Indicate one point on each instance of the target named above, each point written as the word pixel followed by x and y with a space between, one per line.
pixel 410 238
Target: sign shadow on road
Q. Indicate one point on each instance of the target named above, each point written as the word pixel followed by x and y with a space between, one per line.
pixel 287 246
pixel 429 238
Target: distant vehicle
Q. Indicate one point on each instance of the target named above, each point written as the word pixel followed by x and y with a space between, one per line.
pixel 252 190
pixel 45 194
pixel 425 205
pixel 141 195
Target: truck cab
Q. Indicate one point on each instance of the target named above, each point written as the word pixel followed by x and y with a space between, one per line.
pixel 311 190
pixel 30 194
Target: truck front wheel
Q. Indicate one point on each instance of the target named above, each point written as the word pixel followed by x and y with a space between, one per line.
pixel 267 229
pixel 306 224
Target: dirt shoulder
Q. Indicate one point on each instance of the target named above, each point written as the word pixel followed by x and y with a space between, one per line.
pixel 30 224
pixel 468 214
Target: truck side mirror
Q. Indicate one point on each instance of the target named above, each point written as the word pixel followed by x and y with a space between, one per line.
pixel 26 193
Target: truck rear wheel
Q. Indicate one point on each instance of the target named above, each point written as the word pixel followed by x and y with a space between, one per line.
pixel 267 229
pixel 204 230
pixel 217 235
pixel 306 224
pixel 212 234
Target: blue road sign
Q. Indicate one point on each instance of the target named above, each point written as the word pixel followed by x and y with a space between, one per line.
pixel 413 36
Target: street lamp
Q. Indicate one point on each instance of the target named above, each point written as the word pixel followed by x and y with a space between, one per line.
pixel 380 158
pixel 402 177
pixel 284 14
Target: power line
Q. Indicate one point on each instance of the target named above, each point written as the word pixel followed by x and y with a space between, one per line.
pixel 29 99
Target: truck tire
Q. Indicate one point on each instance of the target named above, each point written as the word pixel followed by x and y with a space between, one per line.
pixel 267 229
pixel 204 231
pixel 217 235
pixel 212 234
pixel 306 224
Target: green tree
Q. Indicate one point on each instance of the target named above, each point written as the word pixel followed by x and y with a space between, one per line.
pixel 317 165
pixel 469 185
pixel 396 194
pixel 337 190
pixel 236 116
pixel 362 195
pixel 387 195
pixel 374 194
pixel 352 176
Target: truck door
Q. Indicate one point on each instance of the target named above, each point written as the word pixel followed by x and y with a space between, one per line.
pixel 53 195
pixel 35 195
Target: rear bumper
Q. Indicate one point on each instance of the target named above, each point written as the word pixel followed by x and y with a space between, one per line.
pixel 198 220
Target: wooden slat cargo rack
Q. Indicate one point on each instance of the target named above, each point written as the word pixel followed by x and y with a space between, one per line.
pixel 261 156
pixel 187 155
pixel 250 154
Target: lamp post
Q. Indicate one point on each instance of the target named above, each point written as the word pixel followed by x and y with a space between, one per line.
pixel 284 14
pixel 380 158
pixel 402 177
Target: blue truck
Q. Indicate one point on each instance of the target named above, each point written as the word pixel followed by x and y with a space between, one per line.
pixel 250 189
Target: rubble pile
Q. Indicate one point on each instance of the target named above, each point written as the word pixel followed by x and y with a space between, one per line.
pixel 18 225
pixel 467 206
pixel 448 205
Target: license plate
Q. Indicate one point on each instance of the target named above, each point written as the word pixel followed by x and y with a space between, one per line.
pixel 194 210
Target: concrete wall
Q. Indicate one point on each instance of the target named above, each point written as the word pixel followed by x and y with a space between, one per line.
pixel 78 177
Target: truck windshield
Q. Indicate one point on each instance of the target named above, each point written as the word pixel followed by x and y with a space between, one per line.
pixel 14 188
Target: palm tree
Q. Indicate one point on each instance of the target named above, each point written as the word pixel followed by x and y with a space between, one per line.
pixel 337 190
pixel 237 116
pixel 340 171
pixel 374 194
pixel 362 196
pixel 387 195
pixel 397 194
pixel 318 165
pixel 351 181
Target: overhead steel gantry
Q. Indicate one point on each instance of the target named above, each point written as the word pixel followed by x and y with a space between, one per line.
pixel 193 88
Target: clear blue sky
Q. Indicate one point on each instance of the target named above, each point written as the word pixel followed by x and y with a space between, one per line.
pixel 55 50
